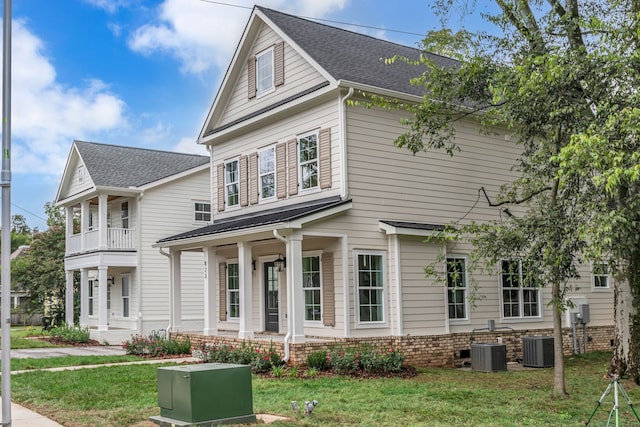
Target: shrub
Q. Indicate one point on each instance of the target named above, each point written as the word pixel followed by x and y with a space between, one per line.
pixel 261 361
pixel 70 334
pixel 155 345
pixel 344 361
pixel 392 360
pixel 318 361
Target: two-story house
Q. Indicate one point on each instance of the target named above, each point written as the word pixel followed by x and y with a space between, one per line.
pixel 119 201
pixel 319 221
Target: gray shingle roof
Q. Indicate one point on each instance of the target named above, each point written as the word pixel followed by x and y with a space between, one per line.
pixel 266 217
pixel 355 57
pixel 118 166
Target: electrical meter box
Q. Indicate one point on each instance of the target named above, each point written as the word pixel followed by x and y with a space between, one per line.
pixel 205 394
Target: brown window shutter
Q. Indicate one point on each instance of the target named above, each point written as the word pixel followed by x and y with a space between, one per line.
pixel 244 181
pixel 222 288
pixel 328 291
pixel 220 178
pixel 278 64
pixel 281 170
pixel 253 178
pixel 324 162
pixel 251 77
pixel 292 158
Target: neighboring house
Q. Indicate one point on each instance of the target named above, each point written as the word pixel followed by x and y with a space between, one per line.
pixel 319 221
pixel 119 201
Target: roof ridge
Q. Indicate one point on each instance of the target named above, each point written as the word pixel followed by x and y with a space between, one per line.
pixel 102 144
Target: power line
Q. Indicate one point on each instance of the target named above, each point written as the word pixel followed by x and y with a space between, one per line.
pixel 369 27
pixel 29 212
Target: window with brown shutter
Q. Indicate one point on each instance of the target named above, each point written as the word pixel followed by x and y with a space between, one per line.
pixel 328 291
pixel 251 76
pixel 324 146
pixel 278 64
pixel 244 181
pixel 220 187
pixel 281 170
pixel 253 178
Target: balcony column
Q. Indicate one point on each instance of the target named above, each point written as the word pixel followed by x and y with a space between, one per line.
pixel 294 275
pixel 102 299
pixel 210 264
pixel 68 298
pixel 84 224
pixel 84 297
pixel 245 273
pixel 102 222
pixel 176 291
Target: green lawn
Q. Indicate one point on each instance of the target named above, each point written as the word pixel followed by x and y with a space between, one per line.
pixel 126 395
pixel 26 337
pixel 56 362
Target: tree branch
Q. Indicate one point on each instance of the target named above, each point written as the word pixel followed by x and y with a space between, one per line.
pixel 513 202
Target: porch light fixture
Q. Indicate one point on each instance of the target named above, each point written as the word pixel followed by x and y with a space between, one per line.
pixel 280 263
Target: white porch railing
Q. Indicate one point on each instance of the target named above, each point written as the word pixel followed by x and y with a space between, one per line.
pixel 121 238
pixel 74 244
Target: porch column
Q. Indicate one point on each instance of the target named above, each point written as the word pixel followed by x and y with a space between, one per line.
pixel 102 299
pixel 102 222
pixel 245 273
pixel 210 265
pixel 68 298
pixel 69 228
pixel 84 223
pixel 84 297
pixel 176 290
pixel 294 274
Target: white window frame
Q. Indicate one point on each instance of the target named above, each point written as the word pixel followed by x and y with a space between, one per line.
pixel 232 291
pixel 598 275
pixel 305 289
pixel 124 214
pixel 227 184
pixel 464 289
pixel 383 291
pixel 91 225
pixel 200 212
pixel 262 174
pixel 521 294
pixel 126 297
pixel 268 79
pixel 303 164
pixel 90 298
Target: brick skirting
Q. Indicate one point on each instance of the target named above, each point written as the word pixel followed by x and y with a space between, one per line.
pixel 423 350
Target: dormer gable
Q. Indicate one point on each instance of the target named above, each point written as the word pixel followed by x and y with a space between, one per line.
pixel 75 177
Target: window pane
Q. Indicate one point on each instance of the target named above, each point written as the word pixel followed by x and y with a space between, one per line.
pixel 309 175
pixel 264 71
pixel 268 185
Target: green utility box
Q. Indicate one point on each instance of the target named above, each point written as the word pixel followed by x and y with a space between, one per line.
pixel 205 395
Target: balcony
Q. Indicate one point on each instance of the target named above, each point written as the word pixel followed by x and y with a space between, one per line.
pixel 116 239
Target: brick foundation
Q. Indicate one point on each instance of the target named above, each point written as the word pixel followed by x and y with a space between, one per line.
pixel 426 350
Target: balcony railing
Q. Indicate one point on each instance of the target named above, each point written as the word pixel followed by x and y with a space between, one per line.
pixel 117 238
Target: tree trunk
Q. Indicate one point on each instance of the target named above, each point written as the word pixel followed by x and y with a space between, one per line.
pixel 558 355
pixel 627 333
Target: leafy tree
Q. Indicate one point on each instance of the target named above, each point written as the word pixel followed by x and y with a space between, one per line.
pixel 563 77
pixel 41 270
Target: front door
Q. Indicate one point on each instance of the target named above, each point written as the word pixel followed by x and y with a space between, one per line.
pixel 270 297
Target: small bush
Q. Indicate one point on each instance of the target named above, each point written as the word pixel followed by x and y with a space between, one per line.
pixel 154 345
pixel 70 334
pixel 261 361
pixel 318 361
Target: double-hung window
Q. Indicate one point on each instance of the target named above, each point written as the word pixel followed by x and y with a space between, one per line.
pixel 125 295
pixel 90 297
pixel 267 172
pixel 456 288
pixel 308 154
pixel 600 272
pixel 311 287
pixel 202 211
pixel 520 295
pixel 231 183
pixel 264 72
pixel 370 285
pixel 233 291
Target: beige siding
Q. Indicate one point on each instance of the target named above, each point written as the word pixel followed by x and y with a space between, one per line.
pixel 299 75
pixel 315 118
pixel 167 210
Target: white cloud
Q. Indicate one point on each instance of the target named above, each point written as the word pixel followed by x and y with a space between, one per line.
pixel 110 6
pixel 189 145
pixel 47 115
pixel 203 35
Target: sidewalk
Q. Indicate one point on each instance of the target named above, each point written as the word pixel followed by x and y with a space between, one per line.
pixel 23 417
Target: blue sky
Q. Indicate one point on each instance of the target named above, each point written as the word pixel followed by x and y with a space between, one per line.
pixel 141 73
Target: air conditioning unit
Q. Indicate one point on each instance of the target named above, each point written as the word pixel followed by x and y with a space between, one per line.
pixel 537 352
pixel 488 357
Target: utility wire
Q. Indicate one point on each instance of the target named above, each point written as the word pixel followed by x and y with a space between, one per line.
pixel 325 20
pixel 29 212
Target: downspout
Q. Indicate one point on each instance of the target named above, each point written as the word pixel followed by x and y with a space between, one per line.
pixel 342 113
pixel 287 338
pixel 139 266
pixel 170 293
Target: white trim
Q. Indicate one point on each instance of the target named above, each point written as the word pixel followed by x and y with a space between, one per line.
pixel 175 177
pixel 306 135
pixel 383 297
pixel 406 231
pixel 128 297
pixel 595 288
pixel 227 292
pixel 314 323
pixel 521 317
pixel 271 89
pixel 202 212
pixel 467 317
pixel 261 199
